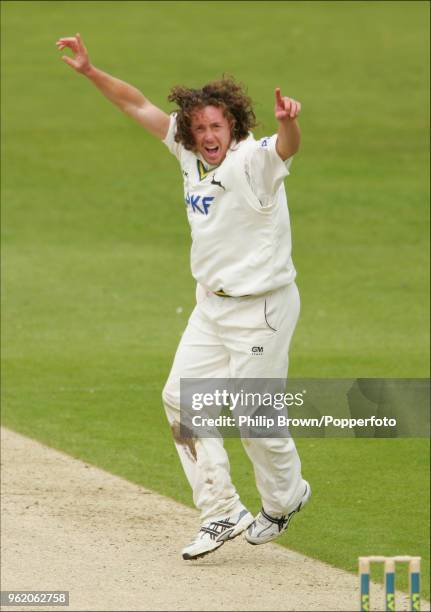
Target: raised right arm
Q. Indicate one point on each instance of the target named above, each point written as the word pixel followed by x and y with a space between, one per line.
pixel 129 99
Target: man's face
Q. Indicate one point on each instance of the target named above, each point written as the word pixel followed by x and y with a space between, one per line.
pixel 212 133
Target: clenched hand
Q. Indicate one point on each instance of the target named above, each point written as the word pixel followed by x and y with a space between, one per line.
pixel 286 109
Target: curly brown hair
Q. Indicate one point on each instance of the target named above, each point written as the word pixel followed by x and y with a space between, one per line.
pixel 226 94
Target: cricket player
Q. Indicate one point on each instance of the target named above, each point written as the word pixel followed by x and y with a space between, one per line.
pixel 247 300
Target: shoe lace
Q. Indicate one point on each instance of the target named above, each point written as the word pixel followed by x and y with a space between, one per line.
pixel 215 528
pixel 280 522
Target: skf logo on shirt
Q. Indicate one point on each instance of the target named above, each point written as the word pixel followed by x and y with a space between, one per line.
pixel 198 203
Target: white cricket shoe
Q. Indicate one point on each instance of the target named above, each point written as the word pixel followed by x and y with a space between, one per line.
pixel 266 528
pixel 215 533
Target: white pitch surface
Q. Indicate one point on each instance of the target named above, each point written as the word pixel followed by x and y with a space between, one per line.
pixel 113 545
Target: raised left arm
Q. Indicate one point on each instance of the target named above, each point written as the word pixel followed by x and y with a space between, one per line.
pixel 288 135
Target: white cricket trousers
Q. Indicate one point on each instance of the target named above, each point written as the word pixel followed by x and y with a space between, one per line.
pixel 217 343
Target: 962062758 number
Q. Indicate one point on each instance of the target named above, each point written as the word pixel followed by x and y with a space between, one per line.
pixel 34 598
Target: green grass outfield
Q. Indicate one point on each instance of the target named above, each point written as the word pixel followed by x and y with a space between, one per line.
pixel 95 239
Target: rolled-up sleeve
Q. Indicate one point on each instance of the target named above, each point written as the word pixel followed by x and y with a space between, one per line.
pixel 266 169
pixel 173 146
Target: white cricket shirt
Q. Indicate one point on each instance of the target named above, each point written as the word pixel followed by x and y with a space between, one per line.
pixel 238 215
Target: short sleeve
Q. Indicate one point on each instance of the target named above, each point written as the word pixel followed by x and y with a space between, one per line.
pixel 174 147
pixel 266 170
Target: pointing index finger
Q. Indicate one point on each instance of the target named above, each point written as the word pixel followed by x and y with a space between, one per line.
pixel 278 97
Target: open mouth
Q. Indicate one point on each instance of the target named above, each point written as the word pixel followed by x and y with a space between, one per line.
pixel 211 151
